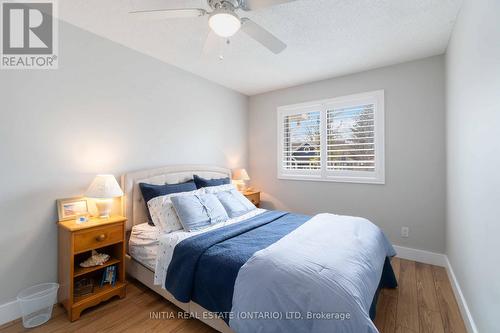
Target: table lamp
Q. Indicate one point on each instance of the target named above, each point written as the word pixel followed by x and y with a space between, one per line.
pixel 103 189
pixel 240 176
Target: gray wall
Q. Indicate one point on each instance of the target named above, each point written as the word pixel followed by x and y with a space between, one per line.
pixel 473 145
pixel 107 109
pixel 414 193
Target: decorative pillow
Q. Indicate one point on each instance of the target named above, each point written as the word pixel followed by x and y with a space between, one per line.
pixel 235 203
pixel 150 191
pixel 163 213
pixel 199 211
pixel 202 182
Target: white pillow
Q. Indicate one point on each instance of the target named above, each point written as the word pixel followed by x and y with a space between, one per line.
pixel 163 213
pixel 220 188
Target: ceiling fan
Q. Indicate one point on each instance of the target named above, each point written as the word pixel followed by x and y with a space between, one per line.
pixel 224 21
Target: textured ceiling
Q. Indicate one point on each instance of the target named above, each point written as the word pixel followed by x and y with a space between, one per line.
pixel 325 38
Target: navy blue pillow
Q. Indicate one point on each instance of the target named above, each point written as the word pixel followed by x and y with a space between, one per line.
pixel 202 182
pixel 150 191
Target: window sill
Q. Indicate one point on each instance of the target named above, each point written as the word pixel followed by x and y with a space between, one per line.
pixel 336 179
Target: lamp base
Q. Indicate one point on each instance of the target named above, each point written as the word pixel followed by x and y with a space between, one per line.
pixel 104 207
pixel 242 187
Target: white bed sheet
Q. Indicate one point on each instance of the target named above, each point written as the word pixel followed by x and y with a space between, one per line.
pixel 143 244
pixel 167 243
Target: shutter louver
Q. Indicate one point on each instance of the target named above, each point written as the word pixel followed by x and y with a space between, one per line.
pixel 301 141
pixel 351 138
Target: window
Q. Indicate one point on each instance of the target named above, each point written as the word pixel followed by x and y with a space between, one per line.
pixel 339 139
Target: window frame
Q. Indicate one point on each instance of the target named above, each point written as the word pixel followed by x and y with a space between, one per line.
pixel 376 98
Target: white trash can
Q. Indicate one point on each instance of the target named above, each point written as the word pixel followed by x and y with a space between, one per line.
pixel 36 303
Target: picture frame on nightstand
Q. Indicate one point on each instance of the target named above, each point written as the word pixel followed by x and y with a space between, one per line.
pixel 72 208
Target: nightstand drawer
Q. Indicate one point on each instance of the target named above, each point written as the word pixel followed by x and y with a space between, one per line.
pixel 254 198
pixel 97 237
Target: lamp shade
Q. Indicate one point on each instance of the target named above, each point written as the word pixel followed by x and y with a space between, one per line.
pixel 240 174
pixel 104 187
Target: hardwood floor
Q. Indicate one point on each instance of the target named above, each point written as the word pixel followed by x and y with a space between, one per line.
pixel 424 302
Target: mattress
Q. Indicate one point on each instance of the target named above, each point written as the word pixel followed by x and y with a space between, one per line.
pixel 167 243
pixel 143 244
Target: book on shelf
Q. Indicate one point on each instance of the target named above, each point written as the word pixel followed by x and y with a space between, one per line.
pixel 109 275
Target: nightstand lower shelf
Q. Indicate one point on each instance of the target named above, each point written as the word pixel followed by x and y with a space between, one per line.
pixel 99 295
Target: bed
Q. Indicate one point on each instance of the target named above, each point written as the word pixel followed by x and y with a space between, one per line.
pixel 264 271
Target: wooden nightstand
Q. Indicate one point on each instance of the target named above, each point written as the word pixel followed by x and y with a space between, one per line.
pixel 253 196
pixel 76 241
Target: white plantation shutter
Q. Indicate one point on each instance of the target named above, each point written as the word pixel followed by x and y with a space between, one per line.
pixel 340 139
pixel 351 138
pixel 301 141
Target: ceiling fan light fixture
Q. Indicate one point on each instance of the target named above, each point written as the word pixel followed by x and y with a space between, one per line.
pixel 224 23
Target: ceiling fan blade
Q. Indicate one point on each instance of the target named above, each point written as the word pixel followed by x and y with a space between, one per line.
pixel 212 43
pixel 161 14
pixel 262 36
pixel 258 4
pixel 214 46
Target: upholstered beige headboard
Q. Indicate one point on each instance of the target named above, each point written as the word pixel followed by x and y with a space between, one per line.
pixel 133 204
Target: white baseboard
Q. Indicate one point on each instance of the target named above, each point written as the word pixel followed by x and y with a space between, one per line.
pixel 426 257
pixel 9 311
pixel 462 304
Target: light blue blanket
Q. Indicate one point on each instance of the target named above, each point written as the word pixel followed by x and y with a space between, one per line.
pixel 321 277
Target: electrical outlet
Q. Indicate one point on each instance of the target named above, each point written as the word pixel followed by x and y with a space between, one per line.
pixel 405 232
